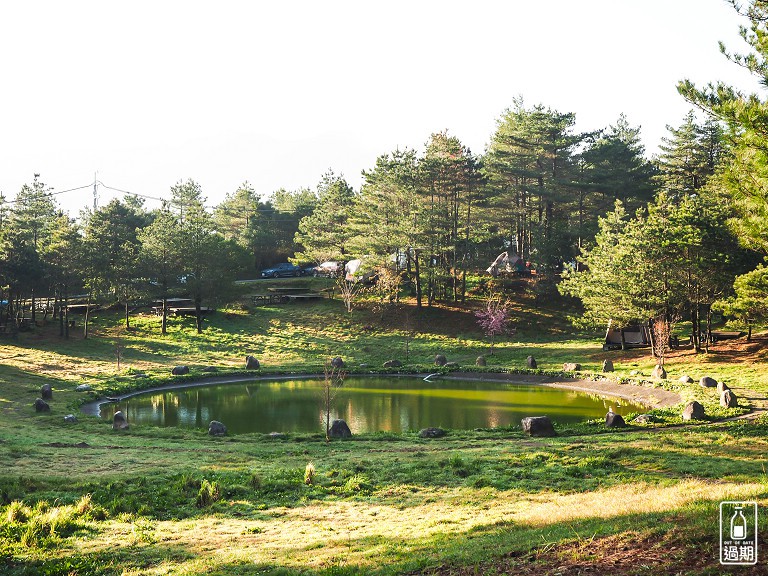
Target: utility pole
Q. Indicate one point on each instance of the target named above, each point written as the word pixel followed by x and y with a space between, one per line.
pixel 95 193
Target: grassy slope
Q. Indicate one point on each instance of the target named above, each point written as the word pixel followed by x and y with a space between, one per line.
pixel 149 501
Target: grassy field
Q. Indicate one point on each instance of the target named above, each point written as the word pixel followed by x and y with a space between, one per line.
pixel 84 499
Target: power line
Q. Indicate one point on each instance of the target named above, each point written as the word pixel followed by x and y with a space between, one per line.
pixel 6 202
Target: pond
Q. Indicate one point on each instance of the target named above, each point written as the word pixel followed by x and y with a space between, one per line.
pixel 368 404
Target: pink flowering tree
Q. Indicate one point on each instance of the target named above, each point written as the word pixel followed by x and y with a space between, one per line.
pixel 493 317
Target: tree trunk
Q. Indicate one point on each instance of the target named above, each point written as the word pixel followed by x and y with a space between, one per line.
pixel 87 315
pixel 198 315
pixel 418 277
pixel 34 318
pixel 623 339
pixel 66 312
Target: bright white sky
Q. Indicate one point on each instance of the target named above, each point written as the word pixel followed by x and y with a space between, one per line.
pixel 147 93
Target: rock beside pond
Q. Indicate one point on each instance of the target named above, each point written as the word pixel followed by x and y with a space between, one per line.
pixel 722 387
pixel 393 364
pixel 216 428
pixel 339 429
pixel 693 411
pixel 707 382
pixel 607 366
pixel 119 422
pixel 659 373
pixel 571 367
pixel 450 365
pixel 728 399
pixel 252 363
pixel 644 419
pixel 209 369
pixel 531 363
pixel 440 360
pixel 276 436
pixel 180 370
pixel 70 419
pixel 538 426
pixel 41 405
pixel 337 362
pixel 46 392
pixel 613 420
pixel 685 379
pixel 481 361
pixel 432 433
pixel 140 375
pixel 83 388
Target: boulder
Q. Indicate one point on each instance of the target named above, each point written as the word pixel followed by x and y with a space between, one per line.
pixel 276 436
pixel 440 360
pixel 216 428
pixel 119 422
pixel 393 364
pixel 685 379
pixel 83 388
pixel 607 366
pixel 70 419
pixel 538 426
pixel 635 373
pixel 531 363
pixel 693 411
pixel 432 433
pixel 337 362
pixel 339 429
pixel 659 373
pixel 180 370
pixel 707 382
pixel 450 365
pixel 643 419
pixel 41 405
pixel 728 399
pixel 481 361
pixel 140 375
pixel 613 420
pixel 722 387
pixel 211 369
pixel 46 392
pixel 252 363
pixel 571 367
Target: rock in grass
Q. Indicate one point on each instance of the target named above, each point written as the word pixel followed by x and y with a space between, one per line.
pixel 607 366
pixel 252 363
pixel 70 419
pixel 216 428
pixel 119 422
pixel 46 392
pixel 613 420
pixel 685 379
pixel 693 411
pixel 481 361
pixel 440 360
pixel 451 365
pixel 707 382
pixel 84 388
pixel 180 370
pixel 728 399
pixel 644 419
pixel 276 436
pixel 722 387
pixel 393 364
pixel 339 429
pixel 209 369
pixel 538 426
pixel 432 433
pixel 571 367
pixel 531 363
pixel 41 405
pixel 659 373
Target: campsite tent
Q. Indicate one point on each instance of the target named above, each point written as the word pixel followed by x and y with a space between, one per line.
pixel 635 336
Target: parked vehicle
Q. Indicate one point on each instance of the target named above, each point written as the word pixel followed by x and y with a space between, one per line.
pixel 282 269
pixel 330 269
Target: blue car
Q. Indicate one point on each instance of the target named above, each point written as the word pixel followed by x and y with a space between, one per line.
pixel 282 269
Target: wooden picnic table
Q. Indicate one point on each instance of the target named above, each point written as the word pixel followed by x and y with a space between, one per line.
pixel 307 296
pixel 262 299
pixel 287 289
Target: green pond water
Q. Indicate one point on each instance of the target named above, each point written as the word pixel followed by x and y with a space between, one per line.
pixel 367 404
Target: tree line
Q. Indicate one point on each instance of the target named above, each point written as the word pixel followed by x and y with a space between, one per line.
pixel 633 238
